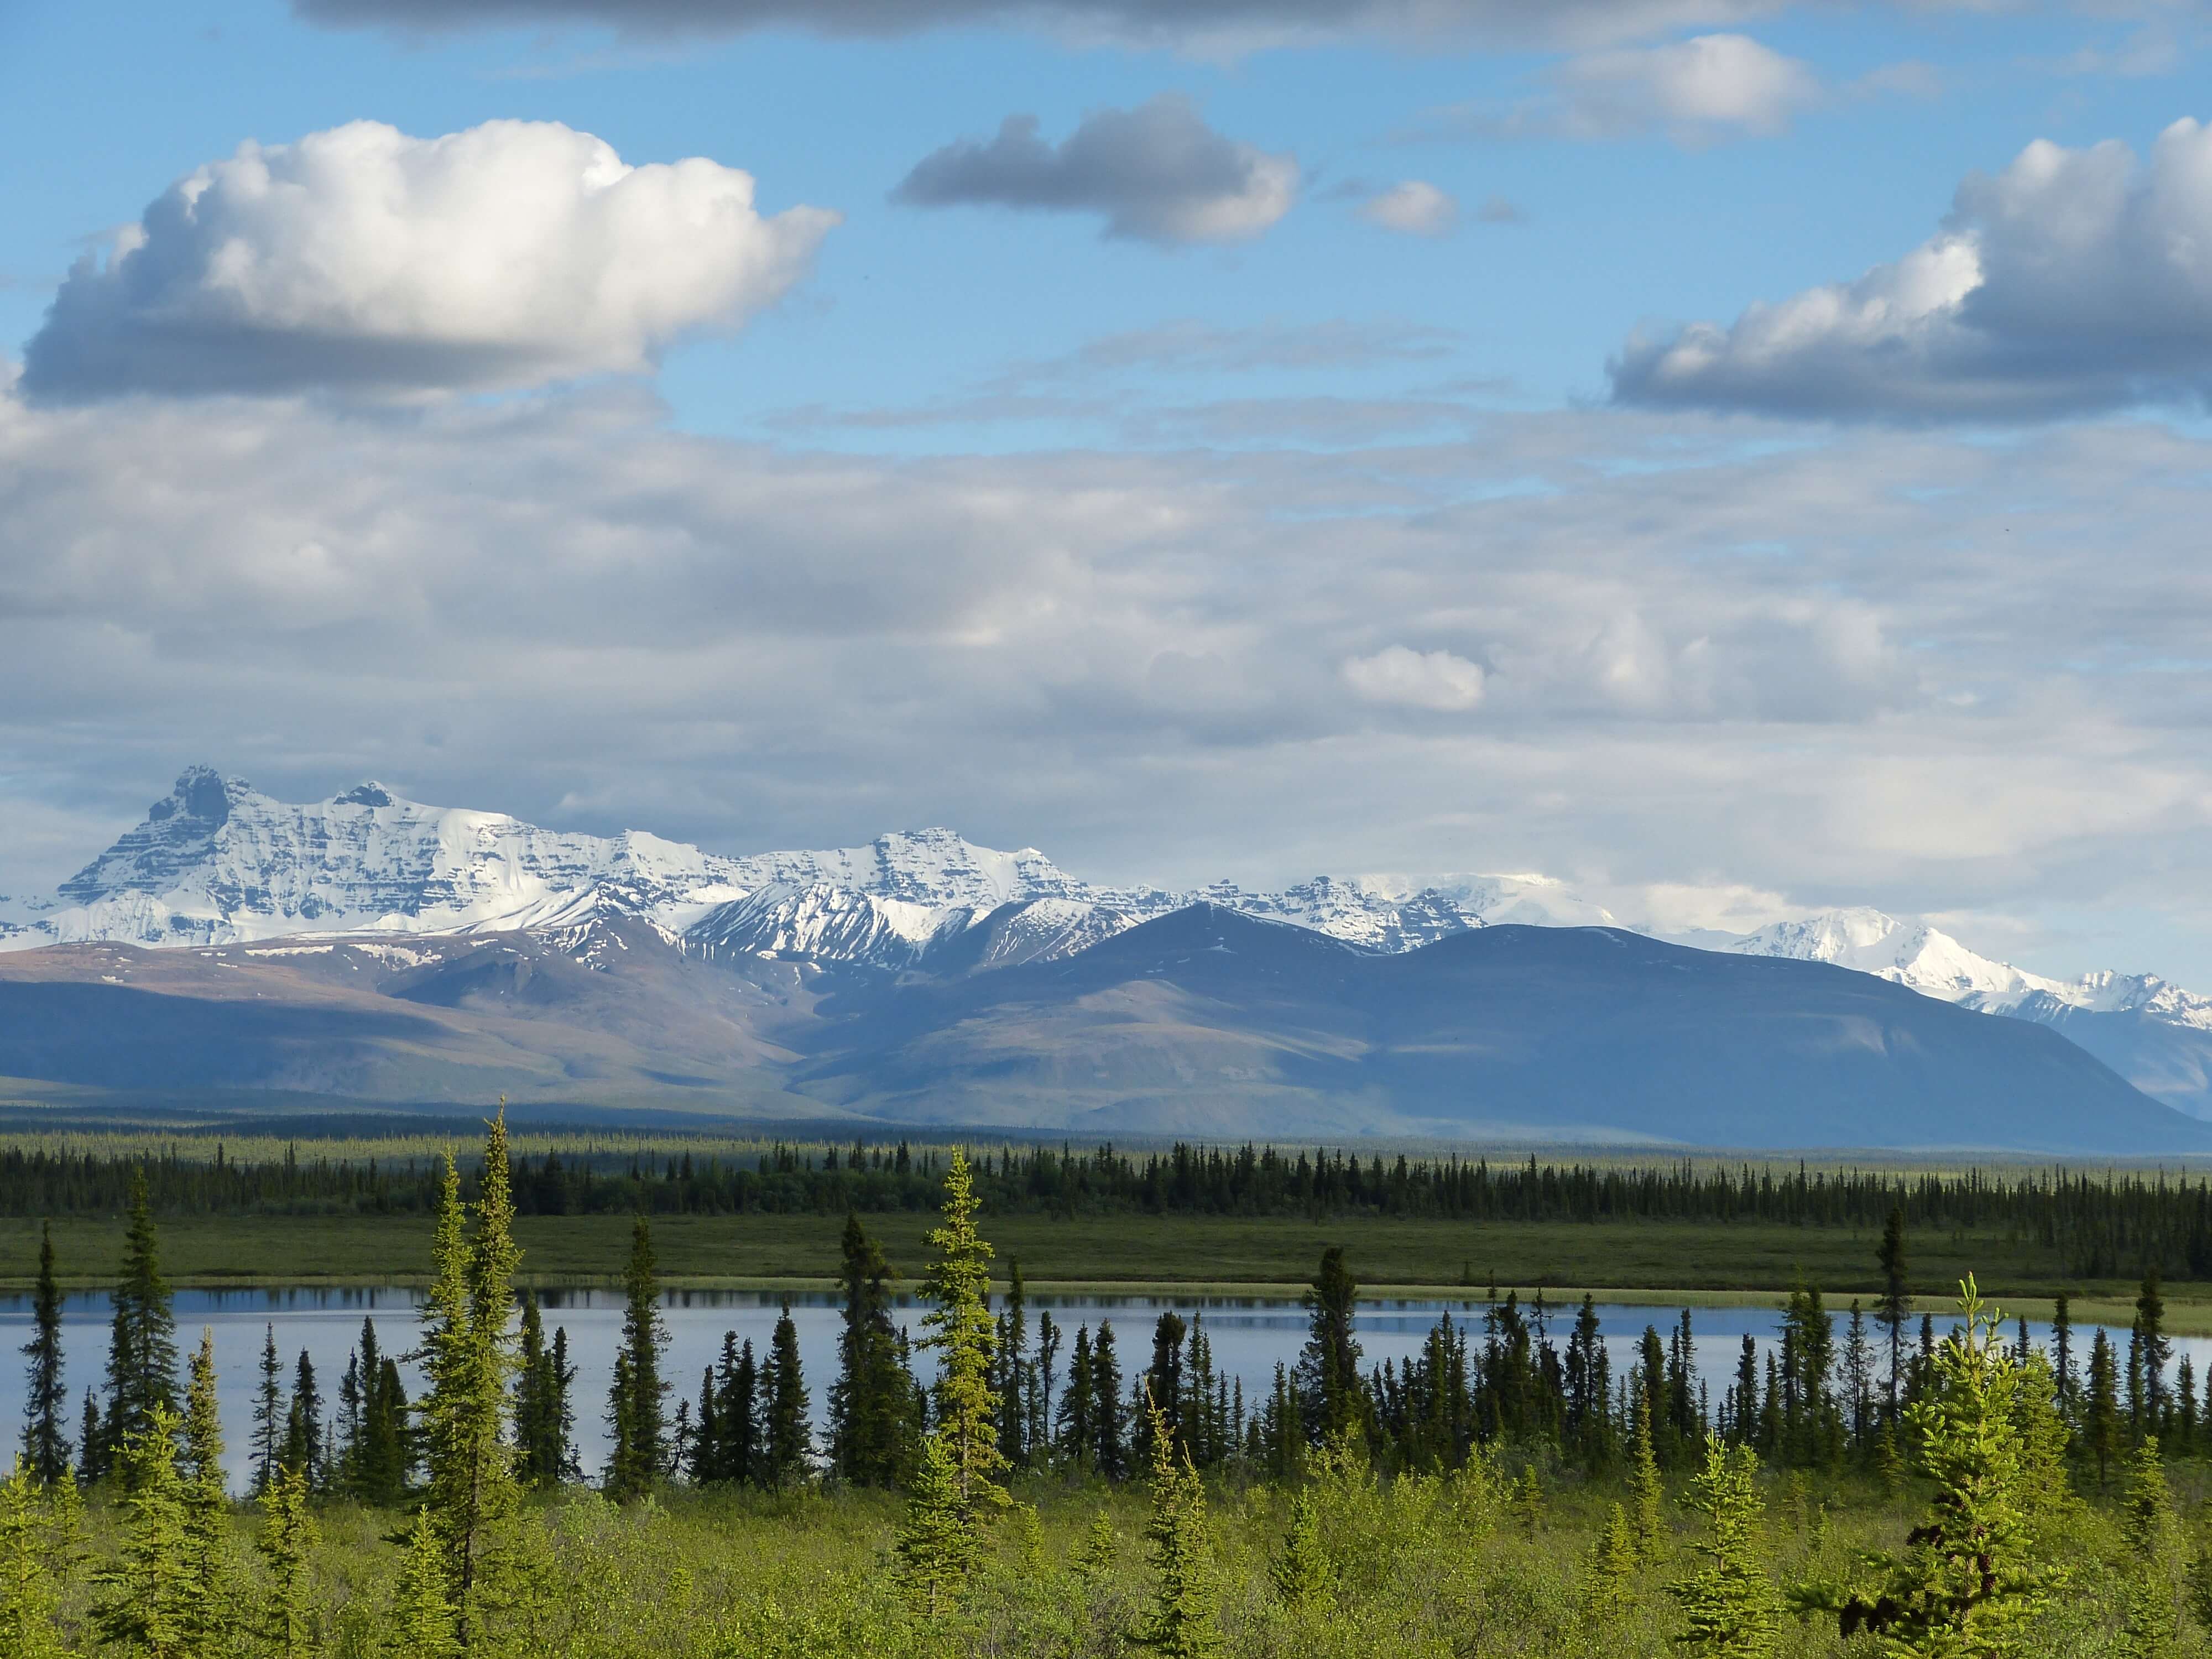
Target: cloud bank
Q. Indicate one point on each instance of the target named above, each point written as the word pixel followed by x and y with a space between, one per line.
pixel 1209 24
pixel 1702 654
pixel 1156 172
pixel 507 255
pixel 2072 282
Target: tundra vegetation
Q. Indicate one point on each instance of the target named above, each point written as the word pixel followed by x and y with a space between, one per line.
pixel 1876 1483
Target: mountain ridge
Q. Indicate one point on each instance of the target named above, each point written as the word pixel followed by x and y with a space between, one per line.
pixel 218 863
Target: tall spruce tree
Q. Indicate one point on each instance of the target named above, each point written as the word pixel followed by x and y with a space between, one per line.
pixel 468 1359
pixel 542 1418
pixel 2100 1408
pixel 269 1416
pixel 46 1394
pixel 141 1350
pixel 1010 1371
pixel 789 1443
pixel 960 1334
pixel 1077 1446
pixel 2157 1351
pixel 636 1419
pixel 1895 1305
pixel 870 1426
pixel 303 1425
pixel 1329 1368
pixel 1110 1452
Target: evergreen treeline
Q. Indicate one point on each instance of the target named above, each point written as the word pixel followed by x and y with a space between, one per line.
pixel 1359 1471
pixel 2102 1224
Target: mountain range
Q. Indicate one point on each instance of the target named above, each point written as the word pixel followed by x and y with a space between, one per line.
pixel 369 947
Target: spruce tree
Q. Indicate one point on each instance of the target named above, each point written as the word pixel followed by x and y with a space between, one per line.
pixel 635 1415
pixel 144 1599
pixel 303 1426
pixel 871 1433
pixel 2100 1410
pixel 938 1547
pixel 425 1622
pixel 45 1395
pixel 1969 1580
pixel 468 1358
pixel 1895 1304
pixel 1110 1446
pixel 541 1417
pixel 2156 1352
pixel 94 1455
pixel 269 1415
pixel 2062 1353
pixel 142 1354
pixel 212 1592
pixel 287 1543
pixel 957 1289
pixel 30 1588
pixel 1075 1442
pixel 1011 1372
pixel 1647 1493
pixel 1300 1571
pixel 1329 1368
pixel 1613 1564
pixel 1182 1624
pixel 789 1444
pixel 1729 1604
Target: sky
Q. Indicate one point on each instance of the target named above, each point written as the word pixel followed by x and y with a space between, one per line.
pixel 1737 456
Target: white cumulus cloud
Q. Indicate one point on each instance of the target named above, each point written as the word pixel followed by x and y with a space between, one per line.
pixel 507 255
pixel 1408 678
pixel 1414 208
pixel 2074 280
pixel 1710 85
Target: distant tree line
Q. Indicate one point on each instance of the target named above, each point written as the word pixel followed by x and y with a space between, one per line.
pixel 2103 1225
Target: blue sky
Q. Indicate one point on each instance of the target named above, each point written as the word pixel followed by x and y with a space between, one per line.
pixel 1305 543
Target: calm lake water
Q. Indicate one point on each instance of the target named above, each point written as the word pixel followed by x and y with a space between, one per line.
pixel 1248 1335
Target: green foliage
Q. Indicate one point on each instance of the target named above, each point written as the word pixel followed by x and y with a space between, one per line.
pixel 1729 1604
pixel 212 1573
pixel 790 1444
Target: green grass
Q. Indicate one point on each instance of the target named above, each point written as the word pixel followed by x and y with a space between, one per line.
pixel 1702 1262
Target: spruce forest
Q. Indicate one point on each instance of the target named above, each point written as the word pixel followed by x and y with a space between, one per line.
pixel 1893 1476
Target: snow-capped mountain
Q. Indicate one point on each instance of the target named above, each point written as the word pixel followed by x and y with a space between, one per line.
pixel 217 862
pixel 1929 961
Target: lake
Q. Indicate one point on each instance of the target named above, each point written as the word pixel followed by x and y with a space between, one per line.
pixel 1249 1336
